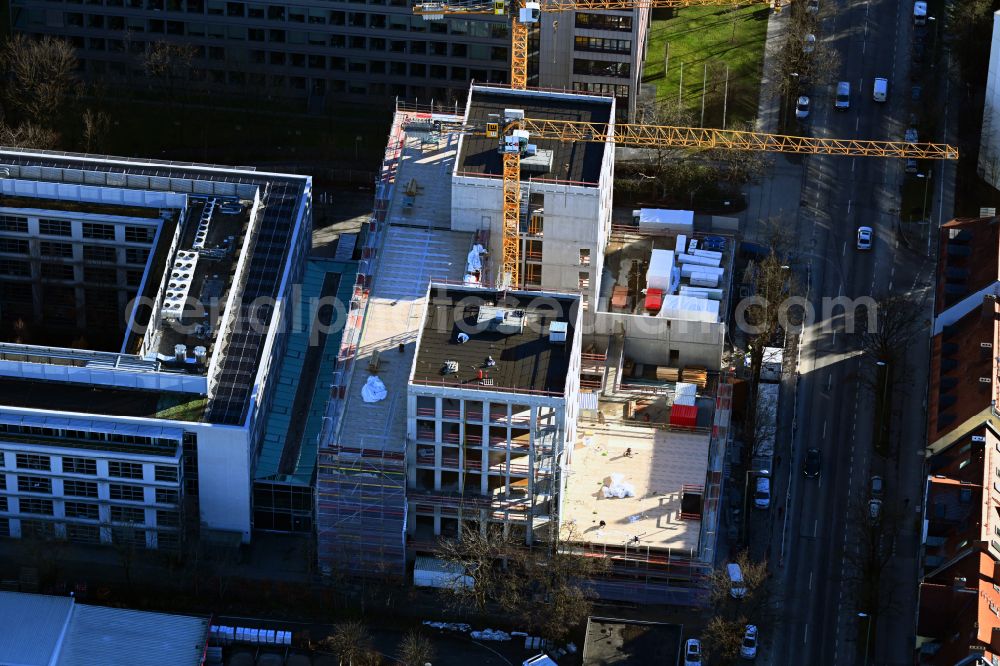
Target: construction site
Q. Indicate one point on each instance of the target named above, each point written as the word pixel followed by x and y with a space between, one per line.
pixel 514 406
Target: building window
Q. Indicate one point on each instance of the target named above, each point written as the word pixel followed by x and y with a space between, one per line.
pixel 79 488
pixel 123 470
pixel 135 255
pixel 603 22
pixel 96 275
pixel 58 250
pixel 533 275
pixel 55 227
pixel 584 256
pixel 601 68
pixel 14 245
pixel 602 45
pixel 164 473
pixel 583 280
pixel 15 268
pixel 121 491
pixel 82 510
pixel 73 465
pixel 98 231
pixel 58 272
pixel 128 514
pixel 167 496
pixel 34 484
pixel 168 519
pixel 83 533
pixel 168 541
pixel 100 253
pixel 42 507
pixel 127 536
pixel 14 223
pixel 38 529
pixel 33 461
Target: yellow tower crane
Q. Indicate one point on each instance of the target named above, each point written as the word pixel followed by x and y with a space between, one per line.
pixel 523 13
pixel 513 131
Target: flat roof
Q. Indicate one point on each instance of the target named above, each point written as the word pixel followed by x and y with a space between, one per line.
pixel 968 259
pixel 56 630
pixel 631 642
pixel 417 247
pixel 281 196
pixel 525 361
pixel 89 399
pixel 68 206
pixel 571 161
pixel 661 463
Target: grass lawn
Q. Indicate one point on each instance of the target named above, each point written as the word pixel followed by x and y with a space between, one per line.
pixel 715 37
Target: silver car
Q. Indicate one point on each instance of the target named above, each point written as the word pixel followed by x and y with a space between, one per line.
pixel 843 99
pixel 865 238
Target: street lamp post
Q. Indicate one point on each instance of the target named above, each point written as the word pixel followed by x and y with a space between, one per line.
pixel 927 181
pixel 933 20
pixel 868 634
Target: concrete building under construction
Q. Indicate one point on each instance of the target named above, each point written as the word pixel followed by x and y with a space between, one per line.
pixel 458 406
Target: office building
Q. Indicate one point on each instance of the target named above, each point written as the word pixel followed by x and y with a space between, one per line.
pixel 329 52
pixel 146 311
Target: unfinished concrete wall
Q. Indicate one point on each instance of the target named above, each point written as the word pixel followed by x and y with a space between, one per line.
pixel 650 340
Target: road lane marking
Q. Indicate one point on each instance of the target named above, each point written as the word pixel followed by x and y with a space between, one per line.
pixel 843 251
pixel 829 381
pixel 824 429
pixel 853 160
pixel 805 635
pixel 890 285
pixel 857 124
pixel 815 527
pixel 848 211
pixel 810 580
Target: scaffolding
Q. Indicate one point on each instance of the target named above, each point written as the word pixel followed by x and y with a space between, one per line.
pixel 361 487
pixel 361 512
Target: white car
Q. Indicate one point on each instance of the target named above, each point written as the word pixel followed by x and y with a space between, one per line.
pixel 809 43
pixel 762 496
pixel 802 108
pixel 874 509
pixel 748 648
pixel 812 6
pixel 692 652
pixel 865 238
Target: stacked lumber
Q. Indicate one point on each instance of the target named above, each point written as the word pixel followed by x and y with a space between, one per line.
pixel 695 375
pixel 667 374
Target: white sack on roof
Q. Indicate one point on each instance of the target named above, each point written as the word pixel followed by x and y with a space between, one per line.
pixel 373 390
pixel 617 487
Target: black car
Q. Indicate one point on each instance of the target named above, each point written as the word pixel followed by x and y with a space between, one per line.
pixel 814 460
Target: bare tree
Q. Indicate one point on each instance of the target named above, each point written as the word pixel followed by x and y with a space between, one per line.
pixel 897 323
pixel 41 80
pixel 480 555
pixel 542 587
pixel 722 638
pixel 741 166
pixel 352 644
pixel 873 555
pixel 28 135
pixel 754 582
pixel 95 128
pixel 415 649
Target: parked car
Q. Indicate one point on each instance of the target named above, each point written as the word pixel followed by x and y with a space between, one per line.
pixel 812 6
pixel 692 652
pixel 865 238
pixel 748 648
pixel 911 135
pixel 916 93
pixel 802 107
pixel 877 486
pixel 809 43
pixel 812 464
pixel 874 509
pixel 880 89
pixel 843 99
pixel 762 495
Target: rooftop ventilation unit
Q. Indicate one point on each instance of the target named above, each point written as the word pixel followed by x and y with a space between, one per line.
pixel 978 438
pixel 986 345
pixel 558 331
pixel 449 368
pixel 984 380
pixel 201 233
pixel 500 320
pixel 179 283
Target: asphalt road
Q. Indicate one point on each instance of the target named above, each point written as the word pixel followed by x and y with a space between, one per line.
pixel 816 548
